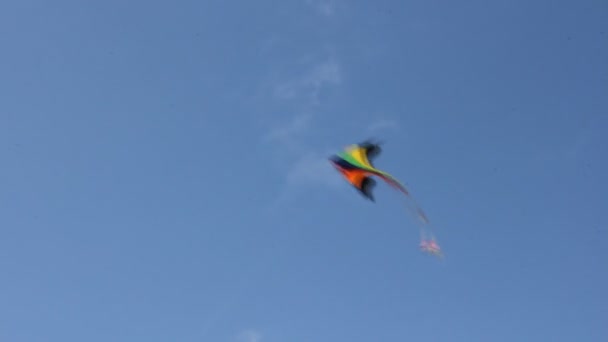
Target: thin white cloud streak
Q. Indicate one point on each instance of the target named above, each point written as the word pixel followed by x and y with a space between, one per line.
pixel 309 86
pixel 383 124
pixel 325 7
pixel 313 169
pixel 287 132
pixel 309 167
pixel 306 166
pixel 249 336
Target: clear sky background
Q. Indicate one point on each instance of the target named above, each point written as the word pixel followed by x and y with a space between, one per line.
pixel 164 171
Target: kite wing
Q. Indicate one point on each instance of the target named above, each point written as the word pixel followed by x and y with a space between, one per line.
pixel 370 150
pixel 356 176
pixel 362 154
pixel 367 185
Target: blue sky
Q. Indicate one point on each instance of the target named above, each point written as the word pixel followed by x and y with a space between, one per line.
pixel 164 172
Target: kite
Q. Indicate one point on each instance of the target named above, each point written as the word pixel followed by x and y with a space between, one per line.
pixel 355 163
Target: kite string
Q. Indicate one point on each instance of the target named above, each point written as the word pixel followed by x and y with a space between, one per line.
pixel 426 229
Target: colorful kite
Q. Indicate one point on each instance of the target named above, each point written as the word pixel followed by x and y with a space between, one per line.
pixel 355 164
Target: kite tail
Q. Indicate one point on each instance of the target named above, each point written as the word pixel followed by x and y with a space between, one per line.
pixel 427 234
pixel 412 206
pixel 410 203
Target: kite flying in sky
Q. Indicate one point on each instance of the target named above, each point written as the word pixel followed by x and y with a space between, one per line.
pixel 355 164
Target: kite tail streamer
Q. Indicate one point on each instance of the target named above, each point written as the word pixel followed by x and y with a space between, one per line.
pixel 427 234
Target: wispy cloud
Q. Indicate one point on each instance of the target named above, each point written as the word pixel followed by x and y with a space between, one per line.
pixel 312 169
pixel 304 163
pixel 249 336
pixel 287 132
pixel 308 86
pixel 383 124
pixel 325 7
